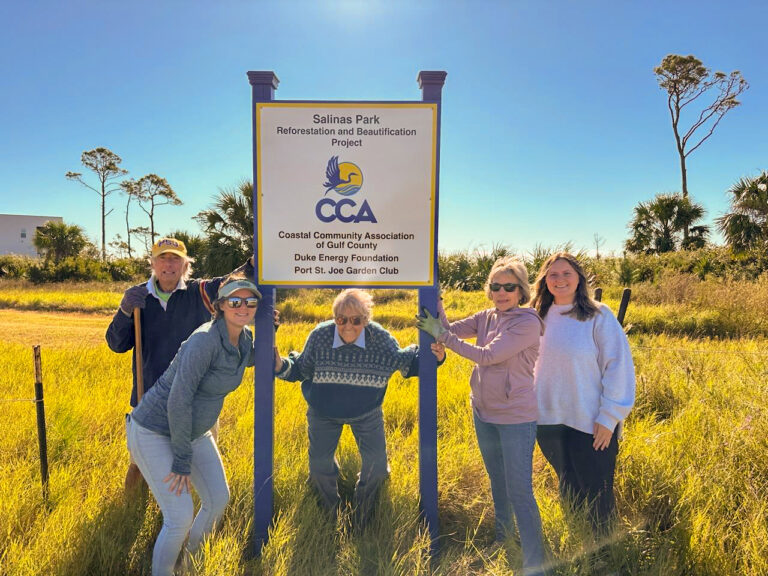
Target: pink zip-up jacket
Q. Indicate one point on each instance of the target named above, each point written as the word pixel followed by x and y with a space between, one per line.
pixel 505 353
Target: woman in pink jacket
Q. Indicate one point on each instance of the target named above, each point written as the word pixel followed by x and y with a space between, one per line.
pixel 503 398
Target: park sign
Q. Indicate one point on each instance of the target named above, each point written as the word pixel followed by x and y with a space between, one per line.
pixel 346 193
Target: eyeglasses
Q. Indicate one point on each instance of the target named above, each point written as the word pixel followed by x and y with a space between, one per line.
pixel 236 302
pixel 508 287
pixel 354 320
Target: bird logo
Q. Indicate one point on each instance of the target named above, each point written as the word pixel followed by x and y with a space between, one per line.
pixel 345 178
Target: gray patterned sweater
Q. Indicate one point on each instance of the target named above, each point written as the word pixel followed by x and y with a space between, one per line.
pixel 348 381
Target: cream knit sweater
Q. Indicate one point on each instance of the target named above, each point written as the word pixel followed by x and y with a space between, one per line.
pixel 584 373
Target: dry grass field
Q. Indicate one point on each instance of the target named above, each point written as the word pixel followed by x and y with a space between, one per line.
pixel 692 482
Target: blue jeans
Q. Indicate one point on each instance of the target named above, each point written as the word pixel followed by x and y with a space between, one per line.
pixel 152 454
pixel 324 434
pixel 507 451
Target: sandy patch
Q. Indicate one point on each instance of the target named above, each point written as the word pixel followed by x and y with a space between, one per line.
pixel 53 329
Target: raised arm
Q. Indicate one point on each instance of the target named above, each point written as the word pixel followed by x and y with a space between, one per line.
pixel 210 288
pixel 299 366
pixel 518 336
pixel 466 328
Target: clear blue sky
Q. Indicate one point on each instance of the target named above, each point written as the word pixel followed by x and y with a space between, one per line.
pixel 554 127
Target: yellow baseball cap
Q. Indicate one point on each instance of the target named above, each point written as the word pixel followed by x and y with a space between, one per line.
pixel 169 245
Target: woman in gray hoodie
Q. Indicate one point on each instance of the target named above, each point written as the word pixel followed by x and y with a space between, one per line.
pixel 503 397
pixel 169 431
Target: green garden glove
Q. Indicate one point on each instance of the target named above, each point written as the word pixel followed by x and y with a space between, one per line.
pixel 430 324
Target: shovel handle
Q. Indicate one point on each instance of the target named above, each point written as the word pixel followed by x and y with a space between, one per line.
pixel 137 355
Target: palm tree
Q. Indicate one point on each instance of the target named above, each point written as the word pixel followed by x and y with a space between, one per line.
pixel 658 224
pixel 746 225
pixel 196 245
pixel 58 240
pixel 229 228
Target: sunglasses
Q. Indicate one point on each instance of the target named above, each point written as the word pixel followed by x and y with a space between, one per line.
pixel 508 287
pixel 236 302
pixel 354 320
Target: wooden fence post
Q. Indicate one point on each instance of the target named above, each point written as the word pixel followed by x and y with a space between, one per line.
pixel 623 306
pixel 625 295
pixel 42 442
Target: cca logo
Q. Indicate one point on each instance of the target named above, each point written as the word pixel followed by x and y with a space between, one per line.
pixel 346 179
pixel 337 211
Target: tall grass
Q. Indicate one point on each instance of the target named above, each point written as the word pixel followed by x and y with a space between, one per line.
pixel 674 303
pixel 61 297
pixel 692 482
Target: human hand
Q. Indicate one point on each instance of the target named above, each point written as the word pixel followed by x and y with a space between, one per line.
pixel 278 361
pixel 438 349
pixel 430 324
pixel 602 436
pixel 248 270
pixel 276 319
pixel 134 297
pixel 179 483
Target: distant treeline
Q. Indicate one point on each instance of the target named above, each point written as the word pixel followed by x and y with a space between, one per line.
pixel 469 270
pixel 465 271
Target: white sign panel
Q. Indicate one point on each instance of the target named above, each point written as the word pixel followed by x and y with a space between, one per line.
pixel 346 193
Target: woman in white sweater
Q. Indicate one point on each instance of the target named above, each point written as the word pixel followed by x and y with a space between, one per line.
pixel 585 385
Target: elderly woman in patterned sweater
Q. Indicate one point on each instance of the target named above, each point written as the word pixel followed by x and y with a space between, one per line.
pixel 344 370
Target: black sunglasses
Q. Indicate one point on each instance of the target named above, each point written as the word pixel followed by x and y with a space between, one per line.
pixel 354 320
pixel 508 287
pixel 236 302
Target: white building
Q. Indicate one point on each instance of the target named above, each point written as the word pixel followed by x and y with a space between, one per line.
pixel 17 233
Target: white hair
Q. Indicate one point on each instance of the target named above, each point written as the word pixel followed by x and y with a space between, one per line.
pixel 358 300
pixel 186 275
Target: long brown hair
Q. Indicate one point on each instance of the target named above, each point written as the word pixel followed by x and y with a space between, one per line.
pixel 583 306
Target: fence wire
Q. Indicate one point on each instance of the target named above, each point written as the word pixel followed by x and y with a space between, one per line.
pixel 698 351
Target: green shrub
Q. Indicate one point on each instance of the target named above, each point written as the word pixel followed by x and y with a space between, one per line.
pixel 14 266
pixel 84 269
pixel 469 270
pixel 72 268
pixel 128 269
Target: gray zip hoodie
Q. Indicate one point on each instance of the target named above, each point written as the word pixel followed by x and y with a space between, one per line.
pixel 187 399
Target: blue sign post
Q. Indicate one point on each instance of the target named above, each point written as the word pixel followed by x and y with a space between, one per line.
pixel 431 84
pixel 264 85
pixel 339 242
